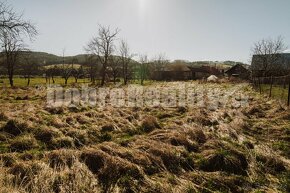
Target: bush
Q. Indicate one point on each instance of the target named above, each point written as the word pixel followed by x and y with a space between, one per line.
pixel 23 143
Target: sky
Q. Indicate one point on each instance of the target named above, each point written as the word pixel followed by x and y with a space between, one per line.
pixel 192 30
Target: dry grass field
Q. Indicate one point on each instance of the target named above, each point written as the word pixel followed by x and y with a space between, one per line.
pixel 237 146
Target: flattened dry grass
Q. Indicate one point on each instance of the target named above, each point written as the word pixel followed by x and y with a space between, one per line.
pixel 151 149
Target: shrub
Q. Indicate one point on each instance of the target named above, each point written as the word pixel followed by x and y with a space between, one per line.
pixel 23 143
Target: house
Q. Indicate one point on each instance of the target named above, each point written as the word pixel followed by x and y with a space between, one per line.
pixel 239 71
pixel 175 71
pixel 204 72
pixel 181 71
pixel 271 65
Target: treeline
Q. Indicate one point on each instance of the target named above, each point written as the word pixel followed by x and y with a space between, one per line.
pixel 107 57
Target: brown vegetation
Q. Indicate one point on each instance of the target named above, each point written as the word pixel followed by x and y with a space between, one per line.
pixel 148 149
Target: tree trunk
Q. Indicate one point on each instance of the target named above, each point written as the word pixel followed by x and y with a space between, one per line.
pixel 103 77
pixel 28 81
pixel 11 81
pixel 125 80
pixel 10 74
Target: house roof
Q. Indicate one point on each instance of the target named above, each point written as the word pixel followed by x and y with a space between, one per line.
pixel 205 69
pixel 177 67
pixel 281 62
pixel 235 67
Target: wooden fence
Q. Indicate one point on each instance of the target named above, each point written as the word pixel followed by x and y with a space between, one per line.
pixel 277 87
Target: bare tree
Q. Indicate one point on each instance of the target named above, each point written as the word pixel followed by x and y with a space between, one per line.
pixel 143 68
pixel 125 59
pixel 11 48
pixel 77 73
pixel 103 47
pixel 267 53
pixel 114 69
pixel 157 65
pixel 92 63
pixel 12 27
pixel 159 62
pixel 13 23
pixel 29 66
pixel 50 73
pixel 66 68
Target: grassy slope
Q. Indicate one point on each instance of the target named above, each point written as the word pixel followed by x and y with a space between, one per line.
pixel 229 149
pixel 22 82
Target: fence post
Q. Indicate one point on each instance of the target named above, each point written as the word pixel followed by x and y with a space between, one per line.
pixel 288 92
pixel 270 95
pixel 259 82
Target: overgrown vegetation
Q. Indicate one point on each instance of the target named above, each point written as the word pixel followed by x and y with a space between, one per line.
pixel 148 149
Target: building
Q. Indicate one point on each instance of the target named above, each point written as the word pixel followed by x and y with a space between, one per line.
pixel 271 65
pixel 204 72
pixel 173 72
pixel 181 71
pixel 238 71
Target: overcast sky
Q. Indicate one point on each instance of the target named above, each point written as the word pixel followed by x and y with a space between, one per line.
pixel 181 29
